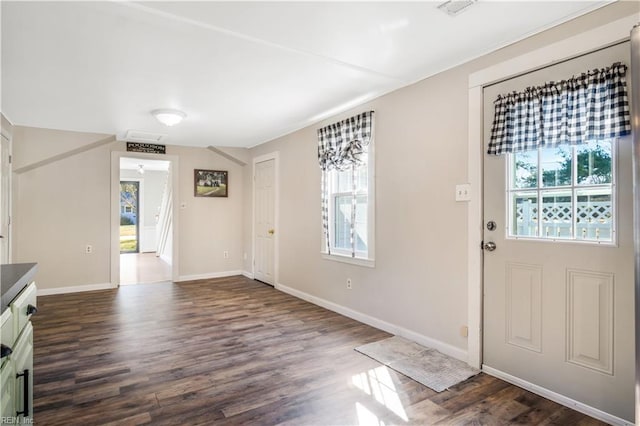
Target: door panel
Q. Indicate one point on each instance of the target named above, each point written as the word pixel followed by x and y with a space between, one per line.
pixel 560 314
pixel 265 221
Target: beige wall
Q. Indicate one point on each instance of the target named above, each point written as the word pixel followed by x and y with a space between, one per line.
pixel 419 283
pixel 209 226
pixel 58 209
pixel 61 206
pixel 44 144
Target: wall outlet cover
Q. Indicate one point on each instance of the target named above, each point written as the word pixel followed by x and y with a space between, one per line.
pixel 463 192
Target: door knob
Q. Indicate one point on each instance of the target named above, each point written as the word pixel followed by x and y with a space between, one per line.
pixel 271 231
pixel 490 246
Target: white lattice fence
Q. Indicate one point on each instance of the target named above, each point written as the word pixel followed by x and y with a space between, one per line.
pixel 593 220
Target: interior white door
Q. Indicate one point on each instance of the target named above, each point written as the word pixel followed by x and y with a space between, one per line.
pixel 559 314
pixel 264 202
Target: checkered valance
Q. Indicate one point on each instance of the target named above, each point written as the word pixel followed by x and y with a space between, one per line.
pixel 341 144
pixel 585 108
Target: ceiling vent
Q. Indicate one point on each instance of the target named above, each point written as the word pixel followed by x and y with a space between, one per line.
pixel 140 136
pixel 455 7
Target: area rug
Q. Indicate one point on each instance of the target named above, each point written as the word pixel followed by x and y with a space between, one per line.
pixel 424 365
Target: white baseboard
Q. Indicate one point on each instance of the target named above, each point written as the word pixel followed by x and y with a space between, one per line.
pixel 556 397
pixel 74 289
pixel 248 274
pixel 209 275
pixel 167 259
pixel 445 348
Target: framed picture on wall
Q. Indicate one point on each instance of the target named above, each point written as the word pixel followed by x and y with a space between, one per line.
pixel 210 183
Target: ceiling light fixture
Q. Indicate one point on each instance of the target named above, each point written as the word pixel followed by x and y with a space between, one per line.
pixel 141 169
pixel 168 117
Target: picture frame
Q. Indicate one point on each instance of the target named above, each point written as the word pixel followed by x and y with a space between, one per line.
pixel 210 183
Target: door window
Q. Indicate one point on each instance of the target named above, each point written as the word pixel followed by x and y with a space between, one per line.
pixel 564 193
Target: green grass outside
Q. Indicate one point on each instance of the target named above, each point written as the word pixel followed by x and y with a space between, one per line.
pixel 127 246
pixel 127 230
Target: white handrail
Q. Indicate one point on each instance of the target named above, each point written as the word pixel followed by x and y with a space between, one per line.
pixel 164 219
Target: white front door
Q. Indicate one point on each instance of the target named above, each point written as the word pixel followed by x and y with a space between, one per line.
pixel 558 287
pixel 264 198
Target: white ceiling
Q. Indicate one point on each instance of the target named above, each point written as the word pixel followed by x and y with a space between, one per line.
pixel 243 72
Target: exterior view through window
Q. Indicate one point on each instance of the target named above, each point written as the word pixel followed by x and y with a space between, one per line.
pixel 563 193
pixel 341 198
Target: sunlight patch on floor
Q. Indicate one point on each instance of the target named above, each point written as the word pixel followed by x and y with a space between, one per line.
pixel 366 417
pixel 378 383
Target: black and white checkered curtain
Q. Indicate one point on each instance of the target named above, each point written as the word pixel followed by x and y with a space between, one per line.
pixel 341 145
pixel 589 107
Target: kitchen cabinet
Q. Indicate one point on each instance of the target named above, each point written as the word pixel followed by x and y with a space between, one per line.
pixel 16 339
pixel 7 370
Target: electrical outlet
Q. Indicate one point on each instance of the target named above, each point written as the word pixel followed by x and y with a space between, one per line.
pixel 225 254
pixel 349 286
pixel 88 249
pixel 463 192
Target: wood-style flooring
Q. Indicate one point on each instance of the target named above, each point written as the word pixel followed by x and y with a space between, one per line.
pixel 234 351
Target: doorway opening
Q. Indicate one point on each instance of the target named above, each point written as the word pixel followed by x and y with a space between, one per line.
pixel 605 36
pixel 145 213
pixel 564 243
pixel 129 207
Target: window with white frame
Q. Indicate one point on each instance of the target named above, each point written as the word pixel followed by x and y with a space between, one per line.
pixel 345 155
pixel 349 204
pixel 563 193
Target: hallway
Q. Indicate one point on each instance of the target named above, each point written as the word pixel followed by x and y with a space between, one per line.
pixel 137 268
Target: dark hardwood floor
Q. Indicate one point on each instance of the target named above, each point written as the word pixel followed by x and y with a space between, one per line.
pixel 235 351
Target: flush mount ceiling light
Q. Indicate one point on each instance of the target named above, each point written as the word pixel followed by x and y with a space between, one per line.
pixel 454 7
pixel 168 117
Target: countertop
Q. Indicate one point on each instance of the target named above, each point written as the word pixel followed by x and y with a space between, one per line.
pixel 14 277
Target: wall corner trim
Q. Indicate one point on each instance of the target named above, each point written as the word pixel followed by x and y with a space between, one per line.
pixel 443 347
pixel 75 289
pixel 248 274
pixel 556 397
pixel 62 156
pixel 225 155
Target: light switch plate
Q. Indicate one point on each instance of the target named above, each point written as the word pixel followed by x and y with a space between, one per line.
pixel 463 192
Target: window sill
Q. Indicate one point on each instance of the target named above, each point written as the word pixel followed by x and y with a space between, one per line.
pixel 369 263
pixel 593 243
